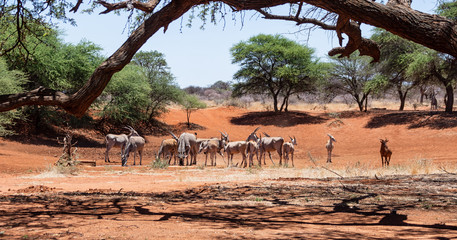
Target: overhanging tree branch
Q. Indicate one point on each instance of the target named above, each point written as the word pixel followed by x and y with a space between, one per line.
pixel 147 7
pixel 432 31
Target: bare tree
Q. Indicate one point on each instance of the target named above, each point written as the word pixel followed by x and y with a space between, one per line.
pixel 396 16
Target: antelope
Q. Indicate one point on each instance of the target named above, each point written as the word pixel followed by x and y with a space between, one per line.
pixel 386 153
pixel 329 147
pixel 270 144
pixel 220 142
pixel 135 143
pixel 210 147
pixel 168 147
pixel 118 141
pixel 252 147
pixel 233 148
pixel 253 136
pixel 187 145
pixel 288 147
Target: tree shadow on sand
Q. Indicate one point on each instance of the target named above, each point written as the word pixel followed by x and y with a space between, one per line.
pixel 275 207
pixel 284 119
pixel 432 120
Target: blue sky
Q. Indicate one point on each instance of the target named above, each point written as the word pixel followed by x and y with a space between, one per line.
pixel 201 57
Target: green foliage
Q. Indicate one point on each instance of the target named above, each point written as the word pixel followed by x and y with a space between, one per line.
pixel 20 21
pixel 50 62
pixel 159 163
pixel 141 91
pixel 402 63
pixel 448 9
pixel 399 57
pixel 164 90
pixel 419 67
pixel 127 96
pixel 63 66
pixel 191 103
pixel 353 76
pixel 274 65
pixel 11 82
pixel 47 60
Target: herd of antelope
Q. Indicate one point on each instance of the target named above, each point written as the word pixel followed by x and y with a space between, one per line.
pixel 188 145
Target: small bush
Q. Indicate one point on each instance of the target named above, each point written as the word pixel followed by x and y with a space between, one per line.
pixel 238 102
pixel 68 165
pixel 201 166
pixel 159 163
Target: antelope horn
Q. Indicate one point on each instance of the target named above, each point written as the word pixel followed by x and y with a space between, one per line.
pixel 173 135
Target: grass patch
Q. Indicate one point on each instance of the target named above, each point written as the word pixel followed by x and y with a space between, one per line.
pixel 159 163
pixel 258 199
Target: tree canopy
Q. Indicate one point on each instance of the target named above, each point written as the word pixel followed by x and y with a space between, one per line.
pixel 11 82
pixel 397 54
pixel 275 66
pixel 354 76
pixel 344 17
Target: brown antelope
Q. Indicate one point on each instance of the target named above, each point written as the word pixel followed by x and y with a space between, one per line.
pixel 234 148
pixel 210 147
pixel 269 144
pixel 252 148
pixel 386 153
pixel 288 147
pixel 329 147
pixel 168 148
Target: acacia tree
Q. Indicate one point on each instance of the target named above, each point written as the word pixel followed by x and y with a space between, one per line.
pixel 396 16
pixel 353 76
pixel 438 68
pixel 163 88
pixel 397 54
pixel 191 103
pixel 273 65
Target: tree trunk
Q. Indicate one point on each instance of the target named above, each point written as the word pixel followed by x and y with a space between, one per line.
pixel 450 98
pixel 188 111
pixel 402 97
pixel 423 94
pixel 287 105
pixel 275 103
pixel 358 101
